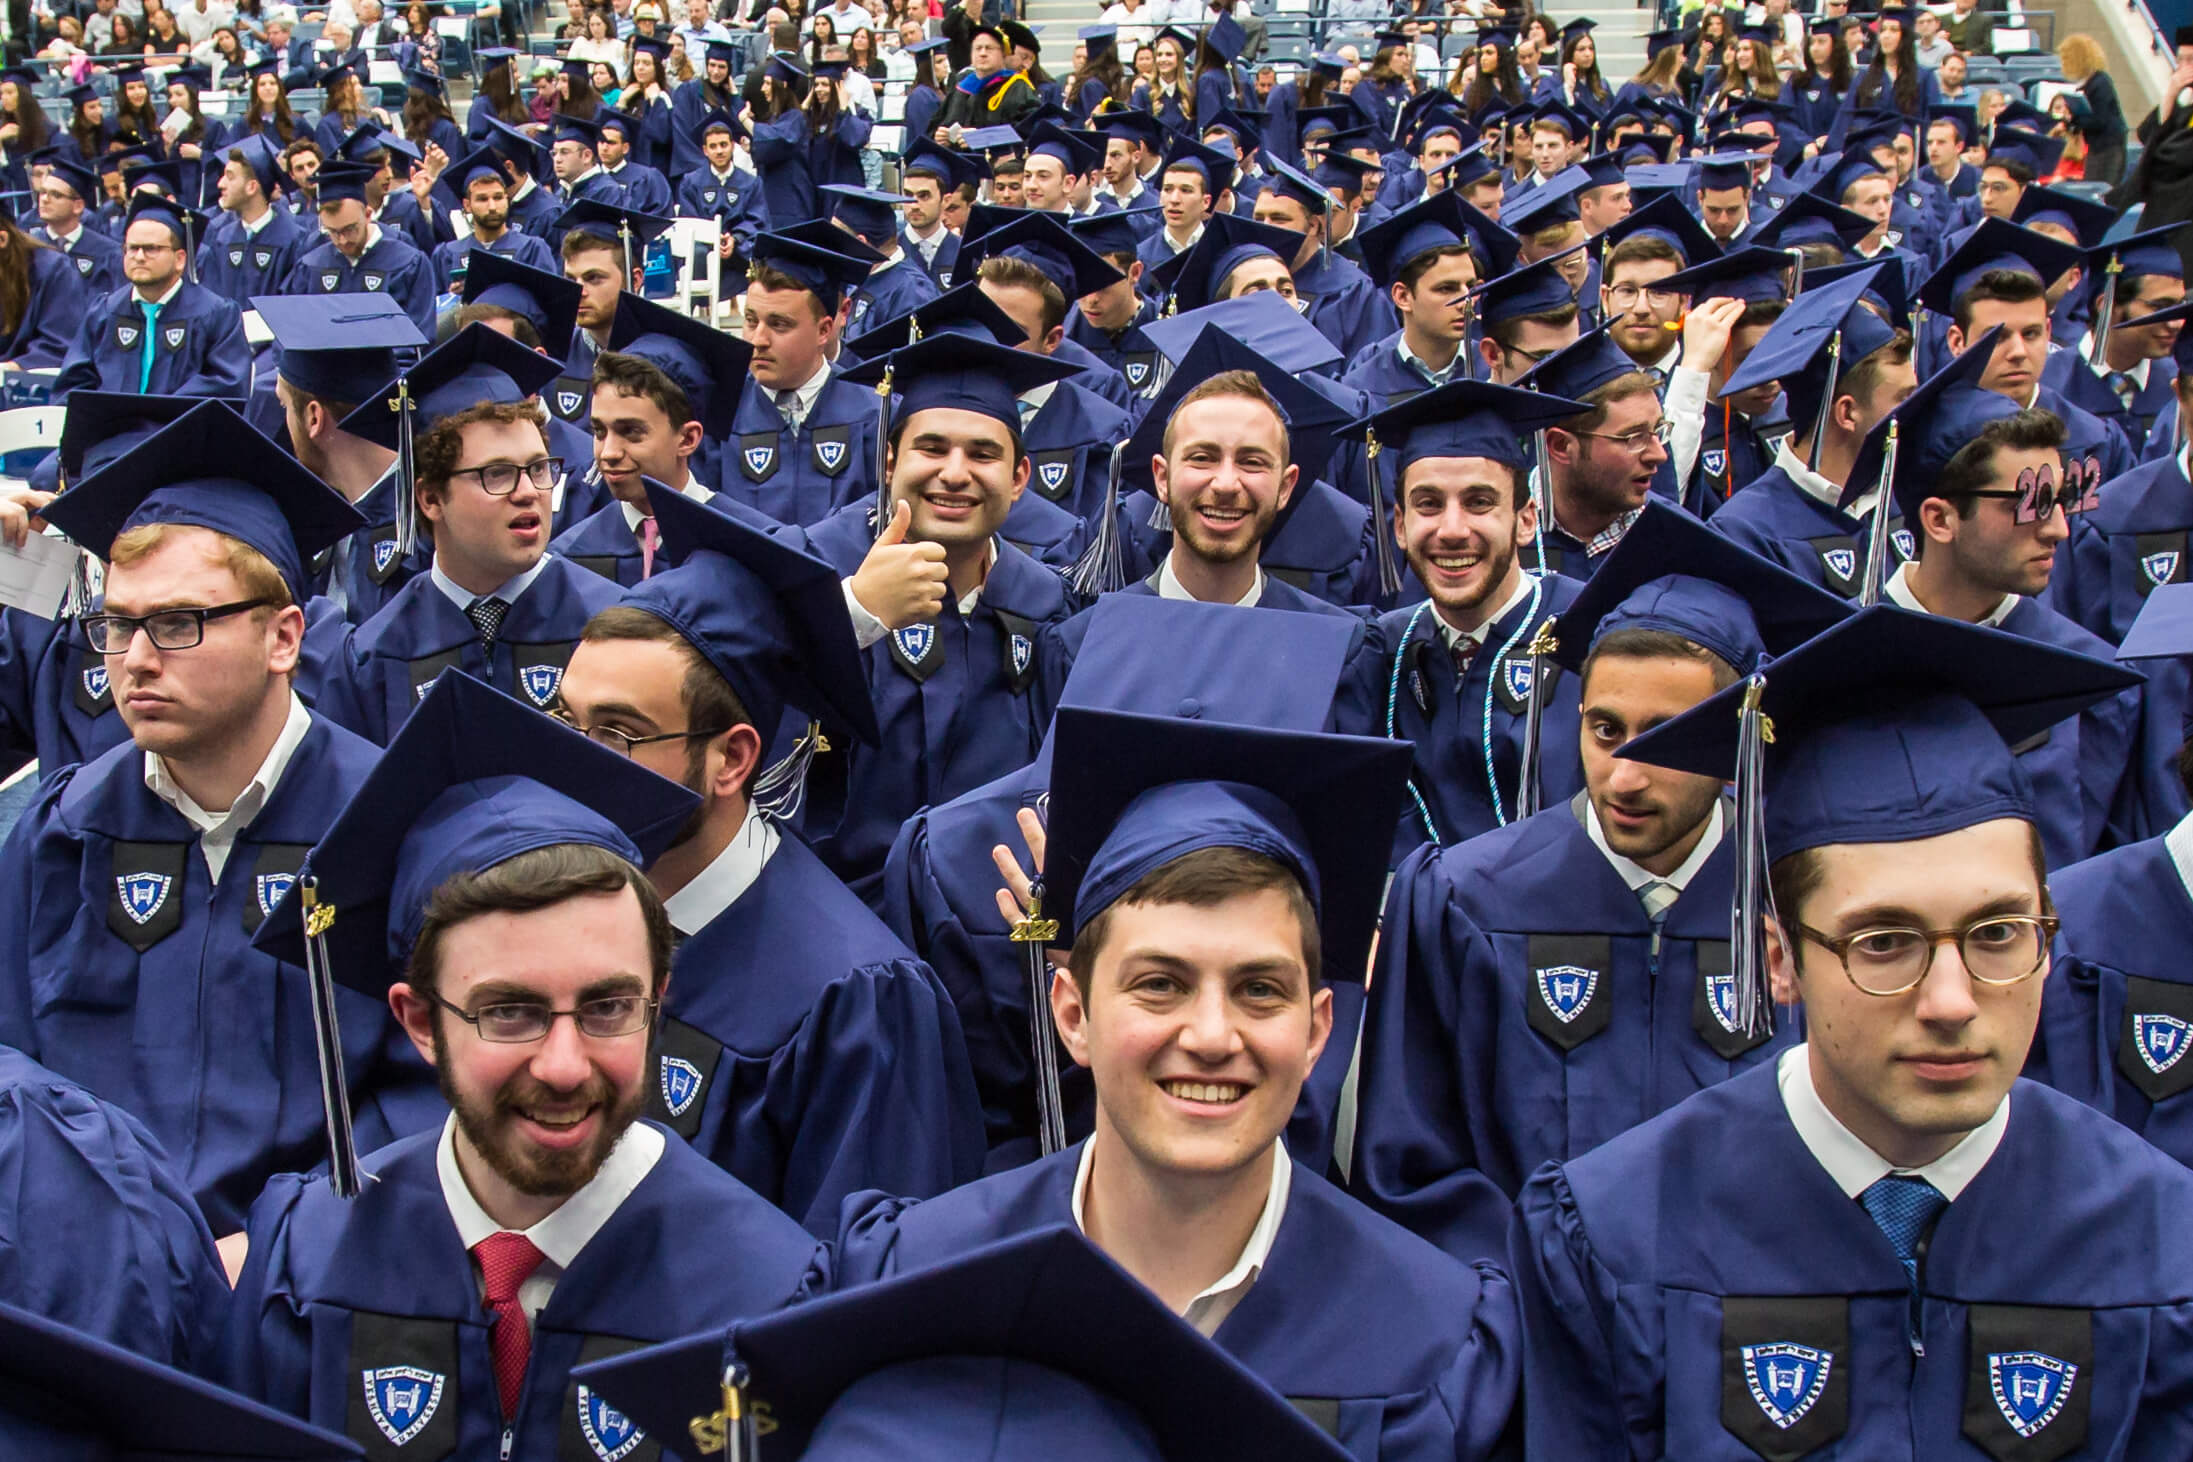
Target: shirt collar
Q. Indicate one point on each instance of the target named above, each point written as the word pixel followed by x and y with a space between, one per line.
pixel 726 878
pixel 562 1234
pixel 253 229
pixel 1166 234
pixel 806 394
pixel 1636 875
pixel 1898 589
pixel 1524 583
pixel 68 240
pixel 1040 396
pixel 1254 1255
pixel 2178 842
pixel 973 596
pixel 2138 372
pixel 1827 494
pixel 254 797
pixel 508 591
pixel 169 298
pixel 1856 1167
pixel 1169 587
pixel 1418 364
pixel 633 517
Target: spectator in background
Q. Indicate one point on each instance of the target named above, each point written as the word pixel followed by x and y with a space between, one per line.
pixel 2164 178
pixel 1969 29
pixel 2073 117
pixel 1933 47
pixel 2081 56
pixel 1949 77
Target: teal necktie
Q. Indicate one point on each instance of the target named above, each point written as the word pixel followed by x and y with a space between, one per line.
pixel 144 352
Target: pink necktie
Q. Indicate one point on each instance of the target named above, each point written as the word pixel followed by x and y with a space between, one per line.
pixel 650 537
pixel 506 1261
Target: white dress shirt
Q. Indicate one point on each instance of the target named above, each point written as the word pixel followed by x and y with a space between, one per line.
pixel 507 591
pixel 726 878
pixel 1454 637
pixel 1897 590
pixel 868 630
pixel 1856 1167
pixel 1169 586
pixel 1637 875
pixel 217 830
pixel 633 517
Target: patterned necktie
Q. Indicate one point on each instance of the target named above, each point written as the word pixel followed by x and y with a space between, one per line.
pixel 144 351
pixel 2126 388
pixel 1463 650
pixel 1658 897
pixel 487 617
pixel 506 1262
pixel 1027 409
pixel 650 539
pixel 788 406
pixel 1903 1207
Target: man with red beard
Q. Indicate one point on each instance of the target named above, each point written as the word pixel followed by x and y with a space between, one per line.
pixel 542 1225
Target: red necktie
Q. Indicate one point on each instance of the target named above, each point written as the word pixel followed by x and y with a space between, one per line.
pixel 506 1261
pixel 1464 651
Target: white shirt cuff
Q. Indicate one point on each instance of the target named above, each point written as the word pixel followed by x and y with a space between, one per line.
pixel 867 629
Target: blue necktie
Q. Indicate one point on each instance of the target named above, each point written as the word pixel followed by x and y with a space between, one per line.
pixel 144 352
pixel 1903 1207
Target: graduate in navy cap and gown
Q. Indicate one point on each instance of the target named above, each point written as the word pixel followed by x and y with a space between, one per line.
pixel 947 614
pixel 1429 258
pixel 1285 829
pixel 711 90
pixel 579 175
pixel 161 334
pixel 1108 322
pixel 473 187
pixel 389 198
pixel 493 601
pixel 717 187
pixel 645 189
pixel 358 256
pixel 486 884
pixel 1459 676
pixel 95 254
pixel 252 246
pixel 782 146
pixel 1597 470
pixel 136 880
pixel 927 172
pixel 1343 302
pixel 1842 369
pixel 1746 290
pixel 803 1047
pixel 895 283
pixel 1548 985
pixel 525 162
pixel 2130 382
pixel 663 388
pixel 803 443
pixel 1813 1255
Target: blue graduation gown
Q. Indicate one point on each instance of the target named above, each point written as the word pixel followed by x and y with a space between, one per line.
pixel 2087 781
pixel 372 571
pixel 1045 532
pixel 2068 374
pixel 889 293
pixel 534 208
pixel 55 703
pixel 401 215
pixel 1380 102
pixel 781 150
pixel 1732 455
pixel 336 1291
pixel 1166 105
pixel 1097 377
pixel 1458 730
pixel 101 1233
pixel 801 477
pixel 96 257
pixel 201 350
pixel 920 114
pixel 1430 1365
pixel 1344 305
pixel 645 189
pixel 597 187
pixel 602 543
pixel 392 658
pixel 1645 1269
pixel 127 970
pixel 392 267
pixel 1070 445
pixel 2117 1012
pixel 515 245
pixel 236 265
pixel 1777 519
pixel 1381 374
pixel 1478 1067
pixel 734 201
pixel 59 296
pixel 946 260
pixel 807 1052
pixel 955 700
pixel 1129 352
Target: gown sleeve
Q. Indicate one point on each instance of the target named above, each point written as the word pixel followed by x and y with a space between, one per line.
pixel 1567 1300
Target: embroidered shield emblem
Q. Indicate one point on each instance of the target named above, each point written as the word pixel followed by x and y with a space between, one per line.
pixel 421 690
pixel 708 195
pixel 2030 1388
pixel 173 335
pixel 944 279
pixel 1138 371
pixel 2161 1040
pixel 127 334
pixel 236 257
pixel 1721 1000
pixel 761 461
pixel 1776 201
pixel 540 682
pixel 384 554
pixel 84 267
pixel 831 453
pixel 262 257
pixel 608 1431
pixel 1567 989
pixel 143 893
pixel 1053 475
pixel 860 308
pixel 1714 461
pixel 681 1084
pixel 329 279
pixel 1517 676
pixel 95 682
pixel 372 281
pixel 402 1400
pixel 1842 562
pixel 1786 1379
pixel 1906 545
pixel 2160 568
pixel 1023 652
pixel 270 887
pixel 916 641
pixel 567 403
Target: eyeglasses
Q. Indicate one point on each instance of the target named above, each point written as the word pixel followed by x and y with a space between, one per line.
pixel 623 742
pixel 1999 949
pixel 2038 497
pixel 520 1022
pixel 500 479
pixel 1533 356
pixel 1634 441
pixel 148 248
pixel 169 629
pixel 1623 297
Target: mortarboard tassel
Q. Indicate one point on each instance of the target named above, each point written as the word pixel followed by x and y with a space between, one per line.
pixel 407 497
pixel 1099 570
pixel 342 1144
pixel 1796 271
pixel 2104 306
pixel 883 450
pixel 1536 478
pixel 1869 591
pixel 779 791
pixel 1754 900
pixel 734 1431
pixel 1526 781
pixel 1035 935
pixel 1382 546
pixel 1827 399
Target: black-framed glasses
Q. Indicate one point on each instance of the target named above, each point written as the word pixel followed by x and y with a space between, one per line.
pixel 624 742
pixel 170 629
pixel 1634 440
pixel 2038 495
pixel 500 479
pixel 1997 949
pixel 519 1022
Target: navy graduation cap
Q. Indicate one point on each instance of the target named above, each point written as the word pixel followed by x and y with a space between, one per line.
pixel 1721 170
pixel 209 468
pixel 950 167
pixel 717 119
pixel 549 302
pixel 2084 219
pixel 187 224
pixel 1108 233
pixel 1966 119
pixel 1070 149
pixel 827 272
pixel 2163 629
pixel 963 372
pixel 2035 151
pixel 84 182
pixel 1000 138
pixel 102 425
pixel 1751 274
pixel 338 347
pixel 343 182
pixel 968 1360
pixel 1041 239
pixel 624 226
pixel 1131 124
pixel 1551 202
pixel 1194 276
pixel 517 147
pixel 707 364
pixel 1581 367
pixel 1665 218
pixel 1262 321
pixel 583 131
pixel 1888 291
pixel 1564 116
pixel 1817 339
pixel 1464 418
pixel 1995 244
pixel 1809 218
pixel 1469 167
pixel 963 309
pixel 2147 252
pixel 1214 167
pixel 1442 221
pixel 1906 450
pixel 78 1398
pixel 824 234
pixel 1534 289
pixel 869 213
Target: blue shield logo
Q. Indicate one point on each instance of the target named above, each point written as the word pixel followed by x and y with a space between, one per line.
pixel 1023 652
pixel 329 279
pixel 1786 1379
pixel 127 334
pixel 95 682
pixel 916 641
pixel 1567 989
pixel 2160 567
pixel 1138 371
pixel 173 334
pixel 761 461
pixel 1053 474
pixel 1518 677
pixel 371 281
pixel 681 1084
pixel 262 257
pixel 1841 562
pixel 143 894
pixel 84 266
pixel 944 279
pixel 270 888
pixel 607 1430
pixel 2161 1040
pixel 831 453
pixel 860 308
pixel 402 1399
pixel 567 402
pixel 1906 545
pixel 540 682
pixel 1714 461
pixel 384 554
pixel 2030 1388
pixel 1721 1000
pixel 708 195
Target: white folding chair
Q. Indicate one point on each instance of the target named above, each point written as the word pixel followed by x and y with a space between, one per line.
pixel 694 243
pixel 29 429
